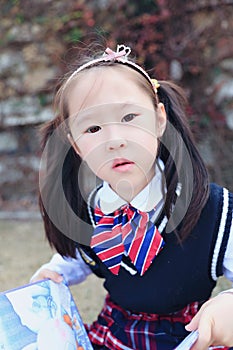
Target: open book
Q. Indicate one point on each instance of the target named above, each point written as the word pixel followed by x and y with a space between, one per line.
pixel 41 316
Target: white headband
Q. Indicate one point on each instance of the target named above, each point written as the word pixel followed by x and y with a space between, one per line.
pixel 121 56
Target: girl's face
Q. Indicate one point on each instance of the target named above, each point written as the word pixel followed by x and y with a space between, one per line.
pixel 115 127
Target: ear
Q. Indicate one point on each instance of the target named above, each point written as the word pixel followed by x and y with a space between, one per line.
pixel 73 144
pixel 161 119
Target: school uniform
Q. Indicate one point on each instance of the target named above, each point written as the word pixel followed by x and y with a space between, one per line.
pixel 158 304
pixel 149 311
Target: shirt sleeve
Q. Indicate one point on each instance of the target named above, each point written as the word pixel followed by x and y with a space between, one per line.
pixel 228 258
pixel 73 270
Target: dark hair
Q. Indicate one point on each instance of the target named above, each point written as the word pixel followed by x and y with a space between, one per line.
pixel 183 211
pixel 195 190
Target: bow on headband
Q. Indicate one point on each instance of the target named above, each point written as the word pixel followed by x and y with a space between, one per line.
pixel 122 51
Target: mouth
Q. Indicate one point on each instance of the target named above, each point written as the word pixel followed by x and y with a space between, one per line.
pixel 121 164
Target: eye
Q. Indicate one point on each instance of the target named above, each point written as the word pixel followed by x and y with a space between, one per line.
pixel 128 117
pixel 93 129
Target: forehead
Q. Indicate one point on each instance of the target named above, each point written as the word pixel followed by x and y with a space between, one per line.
pixel 106 85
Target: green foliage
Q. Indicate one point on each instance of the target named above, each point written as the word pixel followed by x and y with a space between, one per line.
pixel 42 19
pixel 19 18
pixel 74 35
pixel 43 99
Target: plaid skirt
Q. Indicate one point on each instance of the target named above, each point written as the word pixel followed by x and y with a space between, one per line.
pixel 119 329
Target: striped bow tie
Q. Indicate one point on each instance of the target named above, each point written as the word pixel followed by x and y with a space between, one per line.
pixel 127 231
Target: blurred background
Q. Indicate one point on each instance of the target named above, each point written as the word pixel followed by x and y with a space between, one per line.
pixel 189 42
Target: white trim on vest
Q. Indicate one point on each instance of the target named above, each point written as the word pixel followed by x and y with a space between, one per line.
pixel 220 234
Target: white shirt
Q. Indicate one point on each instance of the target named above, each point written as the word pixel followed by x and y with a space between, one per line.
pixel 144 201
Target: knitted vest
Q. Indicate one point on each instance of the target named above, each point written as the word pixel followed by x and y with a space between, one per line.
pixel 180 274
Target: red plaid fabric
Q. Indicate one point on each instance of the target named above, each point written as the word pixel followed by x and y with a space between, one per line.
pixel 126 231
pixel 119 329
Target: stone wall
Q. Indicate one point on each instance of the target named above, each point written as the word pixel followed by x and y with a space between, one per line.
pixel 29 67
pixel 32 46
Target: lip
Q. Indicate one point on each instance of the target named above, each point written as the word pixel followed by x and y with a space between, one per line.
pixel 122 164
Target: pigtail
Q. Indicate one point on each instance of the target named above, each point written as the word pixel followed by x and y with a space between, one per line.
pixel 63 209
pixel 183 164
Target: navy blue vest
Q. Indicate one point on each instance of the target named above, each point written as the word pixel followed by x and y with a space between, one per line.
pixel 180 274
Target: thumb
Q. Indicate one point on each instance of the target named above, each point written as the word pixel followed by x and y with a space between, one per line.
pixel 205 334
pixel 54 276
pixel 46 273
pixel 193 325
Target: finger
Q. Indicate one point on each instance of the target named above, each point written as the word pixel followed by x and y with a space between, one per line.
pixel 54 276
pixel 45 273
pixel 205 334
pixel 193 324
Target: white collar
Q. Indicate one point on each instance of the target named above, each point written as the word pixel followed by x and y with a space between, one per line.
pixel 145 200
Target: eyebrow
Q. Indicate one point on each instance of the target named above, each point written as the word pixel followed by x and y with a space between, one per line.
pixel 129 104
pixel 80 117
pixel 88 113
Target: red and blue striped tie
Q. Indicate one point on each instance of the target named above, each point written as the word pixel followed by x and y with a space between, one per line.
pixel 127 231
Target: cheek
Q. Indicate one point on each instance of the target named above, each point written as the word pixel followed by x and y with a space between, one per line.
pixel 145 140
pixel 86 146
pixel 145 131
pixel 152 144
pixel 91 152
pixel 148 152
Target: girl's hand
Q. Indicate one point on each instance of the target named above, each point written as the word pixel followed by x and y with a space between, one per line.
pixel 214 322
pixel 46 273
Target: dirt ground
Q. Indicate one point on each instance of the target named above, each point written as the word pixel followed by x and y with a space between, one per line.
pixel 23 249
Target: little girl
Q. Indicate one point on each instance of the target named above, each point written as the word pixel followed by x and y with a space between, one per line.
pixel 124 194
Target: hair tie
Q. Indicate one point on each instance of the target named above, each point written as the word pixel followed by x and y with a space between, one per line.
pixel 155 84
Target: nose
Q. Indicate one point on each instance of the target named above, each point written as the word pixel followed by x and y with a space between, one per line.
pixel 115 137
pixel 115 144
